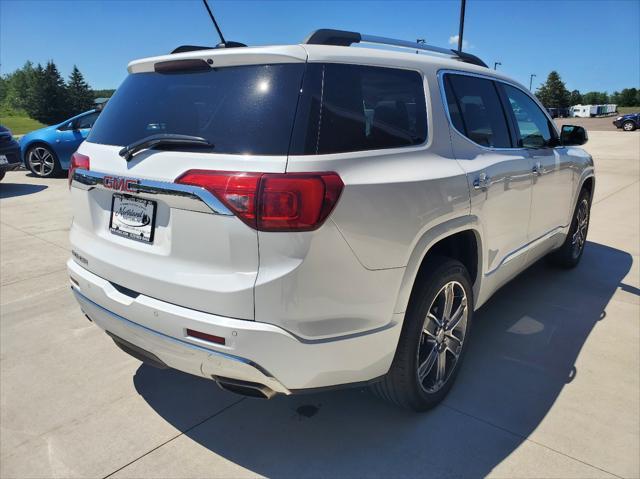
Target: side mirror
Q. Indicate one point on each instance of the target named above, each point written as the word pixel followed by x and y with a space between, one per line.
pixel 573 135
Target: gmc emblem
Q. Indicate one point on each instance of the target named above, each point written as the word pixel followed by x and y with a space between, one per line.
pixel 120 184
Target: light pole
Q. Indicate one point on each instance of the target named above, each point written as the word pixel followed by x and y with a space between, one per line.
pixel 531 80
pixel 495 65
pixel 463 4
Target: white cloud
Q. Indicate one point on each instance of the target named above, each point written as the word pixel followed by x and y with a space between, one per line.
pixel 453 40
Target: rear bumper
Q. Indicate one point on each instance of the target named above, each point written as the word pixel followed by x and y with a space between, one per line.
pixel 175 353
pixel 254 352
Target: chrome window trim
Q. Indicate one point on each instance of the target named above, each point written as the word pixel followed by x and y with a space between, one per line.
pixel 88 180
pixel 443 95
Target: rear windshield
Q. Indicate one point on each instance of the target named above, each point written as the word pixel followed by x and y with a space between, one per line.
pixel 241 110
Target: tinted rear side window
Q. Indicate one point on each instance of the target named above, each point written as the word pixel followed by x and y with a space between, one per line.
pixel 476 110
pixel 241 110
pixel 355 108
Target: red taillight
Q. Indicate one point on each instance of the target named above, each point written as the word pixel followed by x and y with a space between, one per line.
pixel 78 161
pixel 272 201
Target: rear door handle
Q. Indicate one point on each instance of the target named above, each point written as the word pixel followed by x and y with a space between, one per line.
pixel 482 182
pixel 539 169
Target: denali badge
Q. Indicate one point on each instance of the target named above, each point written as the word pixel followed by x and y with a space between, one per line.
pixel 120 184
pixel 80 258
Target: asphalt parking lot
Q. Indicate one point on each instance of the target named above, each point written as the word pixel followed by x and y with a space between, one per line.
pixel 550 386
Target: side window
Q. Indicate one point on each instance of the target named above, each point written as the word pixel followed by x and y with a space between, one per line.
pixel 533 125
pixel 357 108
pixel 476 110
pixel 87 121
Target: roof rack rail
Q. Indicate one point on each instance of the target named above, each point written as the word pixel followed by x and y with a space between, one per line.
pixel 327 36
pixel 193 48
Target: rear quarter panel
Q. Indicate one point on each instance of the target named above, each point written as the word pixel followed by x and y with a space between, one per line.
pixel 394 200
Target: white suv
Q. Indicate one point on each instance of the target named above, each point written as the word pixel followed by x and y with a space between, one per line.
pixel 309 216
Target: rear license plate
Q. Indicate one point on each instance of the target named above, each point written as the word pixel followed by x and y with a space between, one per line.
pixel 133 218
pixel 3 160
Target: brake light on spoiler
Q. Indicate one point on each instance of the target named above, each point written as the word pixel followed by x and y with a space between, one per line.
pixel 272 201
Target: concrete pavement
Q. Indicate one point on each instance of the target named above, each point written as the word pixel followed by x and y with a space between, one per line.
pixel 550 386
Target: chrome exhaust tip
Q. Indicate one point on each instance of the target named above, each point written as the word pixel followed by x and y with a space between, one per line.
pixel 245 388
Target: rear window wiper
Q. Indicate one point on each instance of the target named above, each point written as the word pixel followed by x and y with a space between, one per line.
pixel 162 139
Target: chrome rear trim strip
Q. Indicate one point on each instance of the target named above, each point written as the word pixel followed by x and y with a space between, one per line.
pixel 176 195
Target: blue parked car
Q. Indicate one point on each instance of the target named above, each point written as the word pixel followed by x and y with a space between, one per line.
pixel 47 151
pixel 628 122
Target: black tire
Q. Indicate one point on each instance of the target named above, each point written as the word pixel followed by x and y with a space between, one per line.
pixel 629 126
pixel 2 173
pixel 569 254
pixel 401 385
pixel 36 161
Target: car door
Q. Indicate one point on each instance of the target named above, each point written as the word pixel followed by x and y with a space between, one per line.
pixel 498 172
pixel 71 134
pixel 552 168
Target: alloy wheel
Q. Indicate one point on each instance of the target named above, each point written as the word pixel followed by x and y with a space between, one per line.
pixel 41 161
pixel 442 337
pixel 628 126
pixel 579 237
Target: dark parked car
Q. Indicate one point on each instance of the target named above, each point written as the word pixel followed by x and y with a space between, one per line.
pixel 628 122
pixel 558 112
pixel 9 152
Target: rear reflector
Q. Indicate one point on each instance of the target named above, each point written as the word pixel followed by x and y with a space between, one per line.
pixel 78 161
pixel 272 201
pixel 206 337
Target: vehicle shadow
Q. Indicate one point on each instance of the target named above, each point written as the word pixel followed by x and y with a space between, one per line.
pixel 523 353
pixel 10 190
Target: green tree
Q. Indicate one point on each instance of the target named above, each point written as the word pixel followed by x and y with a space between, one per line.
pixel 107 93
pixel 575 98
pixel 614 98
pixel 595 98
pixel 628 97
pixel 79 95
pixel 553 93
pixel 3 90
pixel 18 85
pixel 47 97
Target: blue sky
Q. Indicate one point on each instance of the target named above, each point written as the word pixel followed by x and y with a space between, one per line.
pixel 595 45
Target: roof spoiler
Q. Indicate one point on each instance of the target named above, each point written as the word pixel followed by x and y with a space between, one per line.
pixel 193 48
pixel 327 36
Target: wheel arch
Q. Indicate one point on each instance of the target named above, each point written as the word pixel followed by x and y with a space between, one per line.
pixel 587 179
pixel 589 183
pixel 459 238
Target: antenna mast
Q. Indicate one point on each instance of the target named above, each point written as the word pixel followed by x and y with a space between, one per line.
pixel 215 24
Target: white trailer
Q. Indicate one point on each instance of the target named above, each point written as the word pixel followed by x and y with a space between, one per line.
pixel 587 111
pixel 581 111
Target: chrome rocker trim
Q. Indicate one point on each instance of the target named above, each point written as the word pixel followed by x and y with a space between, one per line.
pixel 527 247
pixel 176 195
